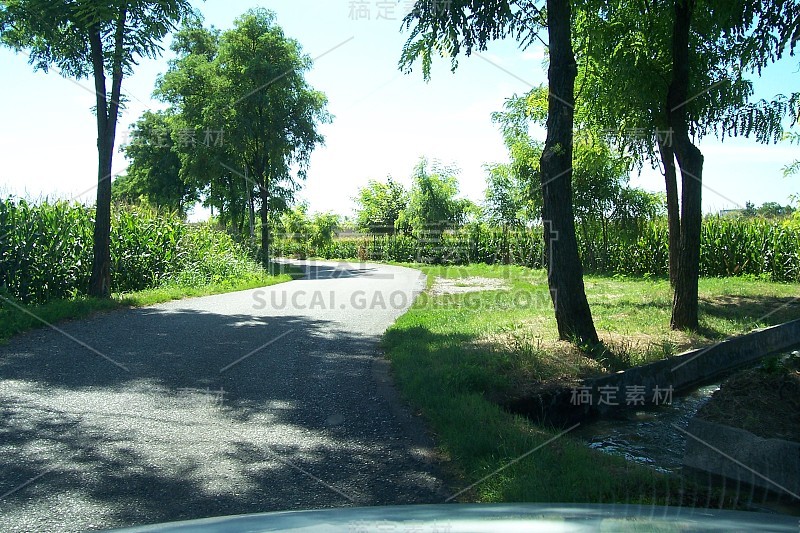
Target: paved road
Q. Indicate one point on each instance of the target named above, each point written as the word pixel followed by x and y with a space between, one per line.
pixel 261 400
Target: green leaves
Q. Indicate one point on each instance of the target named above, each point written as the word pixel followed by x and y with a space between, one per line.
pixel 794 167
pixel 433 206
pixel 624 58
pixel 380 205
pixel 46 250
pixel 56 32
pixel 249 82
pixel 599 172
pixel 154 170
pixel 505 197
pixel 448 27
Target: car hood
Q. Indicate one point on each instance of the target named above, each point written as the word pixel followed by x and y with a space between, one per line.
pixel 456 518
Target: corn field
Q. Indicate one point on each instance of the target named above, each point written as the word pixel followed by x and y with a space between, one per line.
pixel 46 251
pixel 730 247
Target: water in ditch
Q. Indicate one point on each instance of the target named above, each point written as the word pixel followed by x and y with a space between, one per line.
pixel 648 436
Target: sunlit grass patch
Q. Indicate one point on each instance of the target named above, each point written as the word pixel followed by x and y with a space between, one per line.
pixel 456 357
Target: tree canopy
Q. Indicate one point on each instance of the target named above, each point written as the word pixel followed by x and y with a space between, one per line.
pixel 248 86
pixel 433 204
pixel 154 170
pixel 379 206
pixel 97 39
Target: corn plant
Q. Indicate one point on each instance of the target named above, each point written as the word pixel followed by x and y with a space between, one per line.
pixel 46 250
pixel 729 247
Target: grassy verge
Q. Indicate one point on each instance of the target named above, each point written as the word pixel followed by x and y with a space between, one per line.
pixel 16 318
pixel 455 355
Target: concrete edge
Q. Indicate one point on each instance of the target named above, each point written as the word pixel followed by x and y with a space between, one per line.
pixel 741 456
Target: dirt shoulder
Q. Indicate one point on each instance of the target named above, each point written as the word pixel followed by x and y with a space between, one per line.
pixel 764 401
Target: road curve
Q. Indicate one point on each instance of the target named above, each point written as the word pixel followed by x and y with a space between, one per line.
pixel 261 400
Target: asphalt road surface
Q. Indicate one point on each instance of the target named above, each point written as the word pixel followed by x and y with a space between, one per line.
pixel 261 400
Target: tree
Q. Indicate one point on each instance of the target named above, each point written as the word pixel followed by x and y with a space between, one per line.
pixel 505 201
pixel 771 210
pixel 741 34
pixel 659 76
pixel 600 174
pixel 793 167
pixel 775 210
pixel 154 170
pixel 97 39
pixel 198 104
pixel 275 112
pixel 380 205
pixel 471 24
pixel 690 159
pixel 248 82
pixel 294 224
pixel 433 206
pixel 525 154
pixel 505 198
pixel 636 204
pixel 601 194
pixel 323 229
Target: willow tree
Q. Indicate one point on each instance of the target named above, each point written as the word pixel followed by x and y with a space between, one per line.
pixel 98 40
pixel 450 28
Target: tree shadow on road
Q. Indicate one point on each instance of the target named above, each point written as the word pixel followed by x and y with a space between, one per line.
pixel 338 270
pixel 213 414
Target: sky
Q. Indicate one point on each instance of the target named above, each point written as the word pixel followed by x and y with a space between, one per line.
pixel 384 120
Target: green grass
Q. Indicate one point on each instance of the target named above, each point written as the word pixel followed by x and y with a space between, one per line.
pixel 456 357
pixel 16 318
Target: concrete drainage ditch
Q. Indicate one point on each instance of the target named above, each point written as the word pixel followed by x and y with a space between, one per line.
pixel 738 455
pixel 628 414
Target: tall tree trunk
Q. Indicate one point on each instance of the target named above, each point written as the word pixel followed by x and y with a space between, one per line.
pixel 100 281
pixel 211 197
pixel 230 224
pixel 589 253
pixel 265 236
pixel 673 213
pixel 565 275
pixel 251 215
pixel 107 114
pixel 685 302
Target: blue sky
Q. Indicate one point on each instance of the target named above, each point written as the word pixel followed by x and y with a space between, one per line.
pixel 384 120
